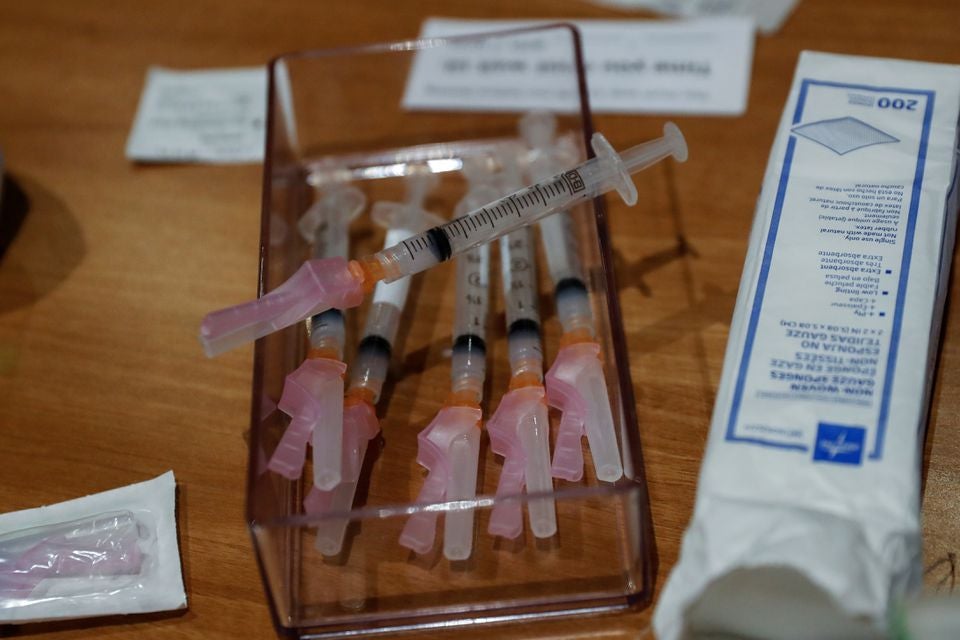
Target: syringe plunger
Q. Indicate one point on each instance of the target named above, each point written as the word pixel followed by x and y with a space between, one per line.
pixel 611 170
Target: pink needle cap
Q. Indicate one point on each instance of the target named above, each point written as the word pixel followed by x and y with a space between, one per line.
pixel 519 431
pixel 433 452
pixel 318 285
pixel 305 392
pixel 576 386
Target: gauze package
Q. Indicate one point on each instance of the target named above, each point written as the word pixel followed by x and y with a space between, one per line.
pixel 807 520
pixel 109 553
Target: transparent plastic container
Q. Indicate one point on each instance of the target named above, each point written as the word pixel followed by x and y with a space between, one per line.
pixel 346 106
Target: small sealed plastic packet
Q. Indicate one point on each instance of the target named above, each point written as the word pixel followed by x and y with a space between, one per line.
pixel 109 553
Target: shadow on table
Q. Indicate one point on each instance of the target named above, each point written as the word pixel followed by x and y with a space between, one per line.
pixel 14 205
pixel 41 243
pixel 101 623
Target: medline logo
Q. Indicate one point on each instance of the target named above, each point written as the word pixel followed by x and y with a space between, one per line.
pixel 839 443
pixel 839 448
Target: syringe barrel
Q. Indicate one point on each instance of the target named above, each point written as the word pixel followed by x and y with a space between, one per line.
pixel 369 370
pixel 389 298
pixel 556 231
pixel 566 272
pixel 468 361
pixel 331 240
pixel 327 332
pixel 482 225
pixel 559 239
pixel 573 305
pixel 560 245
pixel 372 364
pixel 518 270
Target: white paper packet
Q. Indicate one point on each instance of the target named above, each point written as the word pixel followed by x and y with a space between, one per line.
pixel 807 522
pixel 109 553
pixel 768 15
pixel 200 115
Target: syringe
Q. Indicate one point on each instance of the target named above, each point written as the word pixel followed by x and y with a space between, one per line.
pixel 450 445
pixel 313 394
pixel 368 372
pixel 520 428
pixel 335 282
pixel 575 382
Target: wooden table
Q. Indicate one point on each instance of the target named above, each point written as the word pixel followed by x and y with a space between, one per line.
pixel 103 283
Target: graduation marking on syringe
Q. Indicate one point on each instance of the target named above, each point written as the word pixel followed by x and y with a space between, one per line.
pixel 517 204
pixel 540 193
pixel 489 217
pixel 514 205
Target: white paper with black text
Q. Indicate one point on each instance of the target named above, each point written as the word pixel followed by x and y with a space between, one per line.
pixel 633 66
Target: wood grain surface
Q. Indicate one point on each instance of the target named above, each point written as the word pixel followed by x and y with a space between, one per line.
pixel 108 267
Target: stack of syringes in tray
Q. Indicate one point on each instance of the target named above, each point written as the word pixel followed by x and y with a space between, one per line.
pixel 339 418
